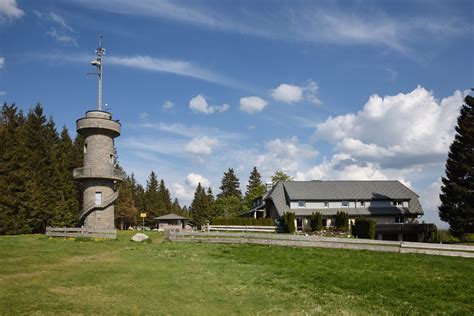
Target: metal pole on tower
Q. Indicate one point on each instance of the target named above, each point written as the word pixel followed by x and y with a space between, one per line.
pixel 100 52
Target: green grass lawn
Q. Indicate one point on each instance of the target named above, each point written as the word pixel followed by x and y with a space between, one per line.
pixel 39 275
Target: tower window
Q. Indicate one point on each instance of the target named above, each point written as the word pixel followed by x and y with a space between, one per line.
pixel 85 148
pixel 111 158
pixel 98 198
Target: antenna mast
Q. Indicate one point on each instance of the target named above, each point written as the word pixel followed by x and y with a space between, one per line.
pixel 100 52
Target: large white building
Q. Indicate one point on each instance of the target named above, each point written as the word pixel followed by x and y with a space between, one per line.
pixel 387 202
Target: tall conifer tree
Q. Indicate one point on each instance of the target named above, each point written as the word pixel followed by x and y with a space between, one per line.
pixel 200 207
pixel 457 197
pixel 230 185
pixel 255 188
pixel 152 198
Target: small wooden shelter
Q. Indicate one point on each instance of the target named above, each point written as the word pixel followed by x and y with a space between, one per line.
pixel 171 221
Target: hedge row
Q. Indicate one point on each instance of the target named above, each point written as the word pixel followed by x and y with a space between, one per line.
pixel 364 228
pixel 242 221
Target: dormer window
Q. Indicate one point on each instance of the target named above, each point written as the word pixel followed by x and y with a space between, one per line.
pixel 326 204
pixel 345 203
pixel 397 203
pixel 362 203
pixel 301 203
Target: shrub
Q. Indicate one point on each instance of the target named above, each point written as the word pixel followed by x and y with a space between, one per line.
pixel 364 228
pixel 316 222
pixel 342 221
pixel 289 222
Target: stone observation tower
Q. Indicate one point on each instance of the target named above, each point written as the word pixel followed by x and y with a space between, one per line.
pixel 99 175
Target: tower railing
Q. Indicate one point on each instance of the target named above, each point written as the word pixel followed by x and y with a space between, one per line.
pixel 88 172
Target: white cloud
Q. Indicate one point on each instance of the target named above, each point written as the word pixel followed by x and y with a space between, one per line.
pixel 342 167
pixel 287 93
pixel 59 29
pixel 183 194
pixel 301 21
pixel 173 66
pixel 290 94
pixel 430 201
pixel 178 67
pixel 3 93
pixel 311 92
pixel 193 179
pixel 252 104
pixel 186 130
pixel 59 20
pixel 284 154
pixel 199 104
pixel 398 131
pixel 2 62
pixel 9 9
pixel 143 116
pixel 167 105
pixel 201 145
pixel 61 37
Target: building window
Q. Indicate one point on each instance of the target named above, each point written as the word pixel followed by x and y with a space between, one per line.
pixel 397 203
pixel 85 148
pixel 98 198
pixel 399 219
pixel 326 204
pixel 301 204
pixel 362 203
pixel 345 203
pixel 111 158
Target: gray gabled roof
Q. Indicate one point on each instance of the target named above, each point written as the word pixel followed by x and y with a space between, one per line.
pixel 170 216
pixel 342 190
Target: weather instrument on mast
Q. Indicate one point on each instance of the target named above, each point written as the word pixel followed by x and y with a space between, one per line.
pixel 97 62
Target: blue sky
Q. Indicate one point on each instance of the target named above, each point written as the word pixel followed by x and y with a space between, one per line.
pixel 318 89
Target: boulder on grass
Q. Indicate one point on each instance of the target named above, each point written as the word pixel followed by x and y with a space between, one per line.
pixel 140 237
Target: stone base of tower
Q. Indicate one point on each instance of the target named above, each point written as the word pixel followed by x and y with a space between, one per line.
pixel 100 219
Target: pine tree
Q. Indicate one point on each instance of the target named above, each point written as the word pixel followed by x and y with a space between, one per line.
pixel 200 207
pixel 138 194
pixel 67 205
pixel 165 206
pixel 230 185
pixel 176 208
pixel 210 197
pixel 41 138
pixel 125 211
pixel 185 211
pixel 457 197
pixel 227 207
pixel 255 188
pixel 14 210
pixel 152 198
pixel 78 158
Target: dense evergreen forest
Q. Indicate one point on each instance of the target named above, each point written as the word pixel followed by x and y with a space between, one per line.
pixel 37 188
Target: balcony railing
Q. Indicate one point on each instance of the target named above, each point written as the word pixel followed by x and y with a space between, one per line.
pixel 88 172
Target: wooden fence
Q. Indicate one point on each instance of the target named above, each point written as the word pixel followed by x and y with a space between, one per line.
pixel 243 228
pixel 323 242
pixel 80 232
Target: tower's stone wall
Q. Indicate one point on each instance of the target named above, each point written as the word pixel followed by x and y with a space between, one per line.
pixel 98 174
